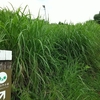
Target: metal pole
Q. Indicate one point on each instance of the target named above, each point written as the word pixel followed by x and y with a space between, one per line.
pixel 44 11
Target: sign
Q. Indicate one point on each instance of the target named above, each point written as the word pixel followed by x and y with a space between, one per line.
pixel 3 95
pixel 5 55
pixel 5 84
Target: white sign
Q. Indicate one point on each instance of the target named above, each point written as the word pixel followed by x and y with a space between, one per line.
pixel 5 55
pixel 3 95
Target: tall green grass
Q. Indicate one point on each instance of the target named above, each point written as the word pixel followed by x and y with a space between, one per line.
pixel 51 61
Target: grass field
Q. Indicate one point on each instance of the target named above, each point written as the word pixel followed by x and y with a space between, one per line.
pixel 51 61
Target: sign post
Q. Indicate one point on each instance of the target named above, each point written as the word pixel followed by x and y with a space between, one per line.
pixel 5 74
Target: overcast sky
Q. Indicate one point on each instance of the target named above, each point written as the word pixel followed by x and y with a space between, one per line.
pixel 59 10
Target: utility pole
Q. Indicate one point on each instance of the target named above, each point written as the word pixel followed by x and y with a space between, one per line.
pixel 44 11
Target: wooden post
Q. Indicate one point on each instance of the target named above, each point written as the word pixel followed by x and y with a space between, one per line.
pixel 5 74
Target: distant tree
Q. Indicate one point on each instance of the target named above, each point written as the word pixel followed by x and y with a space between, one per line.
pixel 97 18
pixel 60 23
